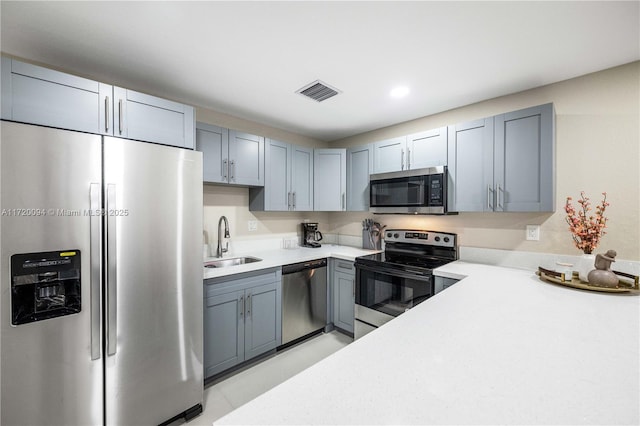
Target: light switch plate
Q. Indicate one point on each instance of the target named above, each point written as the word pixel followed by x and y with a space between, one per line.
pixel 253 225
pixel 533 232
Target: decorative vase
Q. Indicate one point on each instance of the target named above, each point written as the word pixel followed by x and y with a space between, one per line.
pixel 586 265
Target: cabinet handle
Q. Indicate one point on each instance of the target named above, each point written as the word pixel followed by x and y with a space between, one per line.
pixel 408 159
pixel 241 307
pixel 500 206
pixel 249 305
pixel 120 116
pixel 224 169
pixel 489 197
pixel 353 285
pixel 106 113
pixel 232 172
pixel 288 200
pixel 294 200
pixel 402 159
pixel 342 203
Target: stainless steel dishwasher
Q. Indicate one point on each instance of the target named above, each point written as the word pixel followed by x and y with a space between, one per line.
pixel 304 299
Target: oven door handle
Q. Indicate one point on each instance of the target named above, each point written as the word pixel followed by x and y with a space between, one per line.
pixel 392 272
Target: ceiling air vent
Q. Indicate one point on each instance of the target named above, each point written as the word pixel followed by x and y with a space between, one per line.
pixel 318 91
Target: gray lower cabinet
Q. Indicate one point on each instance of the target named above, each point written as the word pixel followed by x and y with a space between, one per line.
pixel 329 179
pixel 503 163
pixel 343 290
pixel 288 182
pixel 229 156
pixel 359 167
pixel 242 318
pixel 38 95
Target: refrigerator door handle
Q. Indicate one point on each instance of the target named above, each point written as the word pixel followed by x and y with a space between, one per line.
pixel 111 271
pixel 95 259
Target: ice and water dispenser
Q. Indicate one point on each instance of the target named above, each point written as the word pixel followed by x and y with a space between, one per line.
pixel 44 285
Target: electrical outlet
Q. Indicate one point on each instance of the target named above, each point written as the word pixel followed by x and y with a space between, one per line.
pixel 533 232
pixel 253 225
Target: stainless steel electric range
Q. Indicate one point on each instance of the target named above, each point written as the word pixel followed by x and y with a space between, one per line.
pixel 392 282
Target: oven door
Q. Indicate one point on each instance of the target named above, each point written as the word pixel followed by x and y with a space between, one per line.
pixel 390 291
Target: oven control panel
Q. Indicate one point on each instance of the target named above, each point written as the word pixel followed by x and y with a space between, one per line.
pixel 431 238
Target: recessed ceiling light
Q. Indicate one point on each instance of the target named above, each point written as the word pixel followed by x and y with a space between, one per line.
pixel 399 92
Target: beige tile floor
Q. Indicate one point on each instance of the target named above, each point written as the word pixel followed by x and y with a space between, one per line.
pixel 227 395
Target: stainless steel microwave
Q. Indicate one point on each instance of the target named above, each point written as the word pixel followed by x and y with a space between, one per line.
pixel 420 191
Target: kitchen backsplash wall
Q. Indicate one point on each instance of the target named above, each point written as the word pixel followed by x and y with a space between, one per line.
pixel 233 202
pixel 597 150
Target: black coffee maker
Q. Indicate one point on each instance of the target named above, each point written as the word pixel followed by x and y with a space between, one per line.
pixel 311 235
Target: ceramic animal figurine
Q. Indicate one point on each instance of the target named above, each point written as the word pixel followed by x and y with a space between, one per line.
pixel 602 276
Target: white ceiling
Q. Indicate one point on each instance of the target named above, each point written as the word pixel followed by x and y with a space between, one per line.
pixel 248 58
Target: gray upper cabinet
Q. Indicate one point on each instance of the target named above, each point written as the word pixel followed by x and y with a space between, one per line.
pixel 37 95
pixel 427 149
pixel 229 156
pixel 524 163
pixel 213 142
pixel 246 159
pixel 330 179
pixel 470 166
pixel 359 167
pixel 416 151
pixel 504 163
pixel 276 194
pixel 288 179
pixel 389 155
pixel 301 178
pixel 149 118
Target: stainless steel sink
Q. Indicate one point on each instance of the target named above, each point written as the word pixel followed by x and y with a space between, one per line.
pixel 222 263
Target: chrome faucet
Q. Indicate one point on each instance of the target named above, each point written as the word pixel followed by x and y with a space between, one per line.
pixel 220 251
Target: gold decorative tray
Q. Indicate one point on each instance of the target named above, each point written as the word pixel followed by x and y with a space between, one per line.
pixel 626 282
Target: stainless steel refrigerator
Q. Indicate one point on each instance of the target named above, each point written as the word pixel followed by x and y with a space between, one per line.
pixel 101 285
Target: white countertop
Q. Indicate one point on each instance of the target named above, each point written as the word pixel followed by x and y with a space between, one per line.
pixel 279 257
pixel 499 347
